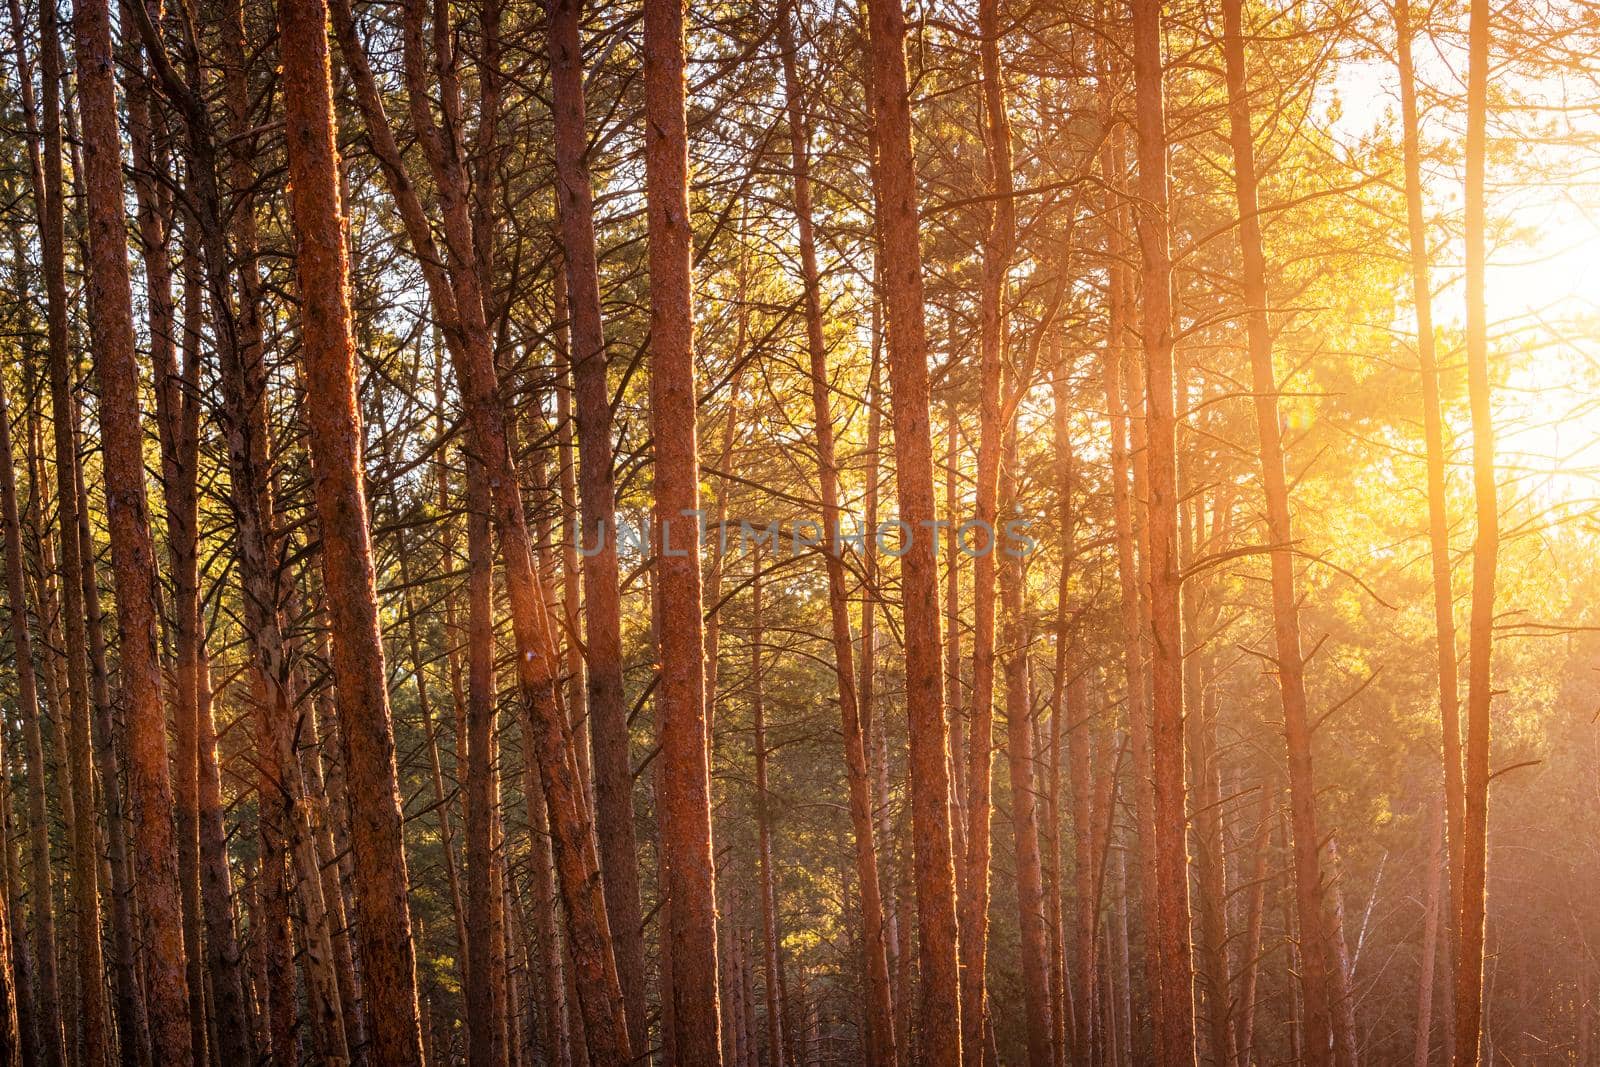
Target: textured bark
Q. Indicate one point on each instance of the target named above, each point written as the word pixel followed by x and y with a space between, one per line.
pixel 280 1007
pixel 155 218
pixel 73 720
pixel 684 796
pixel 880 1016
pixel 286 821
pixel 47 610
pixel 895 195
pixel 328 365
pixel 608 713
pixel 133 554
pixel 1485 551
pixel 256 957
pixel 1175 1006
pixel 1316 938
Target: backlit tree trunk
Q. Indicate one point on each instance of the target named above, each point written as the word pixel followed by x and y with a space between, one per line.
pixel 1431 911
pixel 608 724
pixel 1316 939
pixel 155 217
pixel 486 1002
pixel 1020 759
pixel 998 246
pixel 895 196
pixel 133 552
pixel 1175 1004
pixel 684 807
pixel 75 723
pixel 1485 552
pixel 1255 908
pixel 1130 608
pixel 328 366
pixel 1444 622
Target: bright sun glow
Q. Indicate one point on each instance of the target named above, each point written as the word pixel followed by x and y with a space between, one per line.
pixel 1543 296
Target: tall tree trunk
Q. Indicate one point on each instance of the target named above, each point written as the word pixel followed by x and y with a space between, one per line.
pixel 1212 966
pixel 74 724
pixel 1255 909
pixel 322 275
pixel 134 1042
pixel 331 858
pixel 896 921
pixel 770 958
pixel 554 1007
pixel 997 252
pixel 895 196
pixel 608 713
pixel 1175 1012
pixel 879 1010
pixel 685 801
pixel 1020 758
pixel 23 1049
pixel 47 608
pixel 1316 939
pixel 955 710
pixel 1431 910
pixel 1485 552
pixel 1131 605
pixel 155 218
pixel 133 554
pixel 1444 622
pixel 1072 1031
pixel 1211 857
pixel 486 1002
